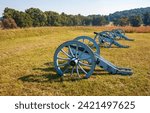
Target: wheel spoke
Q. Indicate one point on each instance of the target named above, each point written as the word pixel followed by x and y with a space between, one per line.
pixel 72 71
pixel 64 64
pixel 63 58
pixel 70 51
pixel 76 51
pixel 85 58
pixel 77 71
pixel 66 69
pixel 82 53
pixel 83 39
pixel 88 42
pixel 84 64
pixel 65 53
pixel 82 69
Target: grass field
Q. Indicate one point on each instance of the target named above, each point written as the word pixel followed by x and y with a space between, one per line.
pixel 26 63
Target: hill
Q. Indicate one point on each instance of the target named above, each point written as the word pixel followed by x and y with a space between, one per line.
pixel 129 13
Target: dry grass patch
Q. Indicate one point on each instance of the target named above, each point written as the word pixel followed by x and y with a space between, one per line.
pixel 26 64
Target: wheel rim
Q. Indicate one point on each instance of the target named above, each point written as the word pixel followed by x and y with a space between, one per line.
pixel 108 34
pixel 74 58
pixel 107 44
pixel 105 39
pixel 116 34
pixel 121 31
pixel 89 42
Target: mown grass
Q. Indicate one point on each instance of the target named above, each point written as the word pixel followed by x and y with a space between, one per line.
pixel 26 63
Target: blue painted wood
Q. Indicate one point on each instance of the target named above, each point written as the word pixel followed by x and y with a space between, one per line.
pixel 81 55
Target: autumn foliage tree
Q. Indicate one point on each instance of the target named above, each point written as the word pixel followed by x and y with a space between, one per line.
pixel 9 23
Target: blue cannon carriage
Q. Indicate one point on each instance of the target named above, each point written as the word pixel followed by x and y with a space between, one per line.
pixel 80 56
pixel 108 38
pixel 120 34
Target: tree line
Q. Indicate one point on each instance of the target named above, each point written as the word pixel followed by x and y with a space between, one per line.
pixel 34 17
pixel 133 17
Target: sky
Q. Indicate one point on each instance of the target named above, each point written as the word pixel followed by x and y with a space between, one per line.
pixel 84 7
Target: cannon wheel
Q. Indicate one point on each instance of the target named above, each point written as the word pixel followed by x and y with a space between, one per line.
pixel 90 42
pixel 103 40
pixel 107 44
pixel 116 31
pixel 121 31
pixel 69 61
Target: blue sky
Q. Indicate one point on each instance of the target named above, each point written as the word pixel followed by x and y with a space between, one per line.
pixel 84 7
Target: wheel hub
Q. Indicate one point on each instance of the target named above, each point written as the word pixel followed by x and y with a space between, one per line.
pixel 73 62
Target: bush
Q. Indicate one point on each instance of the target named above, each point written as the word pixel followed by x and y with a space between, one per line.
pixel 9 23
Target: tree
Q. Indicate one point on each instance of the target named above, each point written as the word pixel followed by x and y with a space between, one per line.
pixel 77 20
pixel 95 21
pixel 124 21
pixel 136 21
pixel 53 18
pixel 88 21
pixel 23 19
pixel 38 17
pixel 103 21
pixel 129 13
pixel 64 19
pixel 70 20
pixel 8 23
pixel 146 19
pixel 8 13
pixel 99 21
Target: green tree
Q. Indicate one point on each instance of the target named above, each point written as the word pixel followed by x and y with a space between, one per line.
pixel 38 17
pixel 136 21
pixel 53 18
pixel 70 20
pixel 9 12
pixel 23 19
pixel 99 21
pixel 95 21
pixel 103 21
pixel 64 19
pixel 77 20
pixel 88 21
pixel 146 19
pixel 124 21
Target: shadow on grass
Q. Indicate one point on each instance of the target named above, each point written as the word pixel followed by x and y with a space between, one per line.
pixel 116 47
pixel 51 75
pixel 40 78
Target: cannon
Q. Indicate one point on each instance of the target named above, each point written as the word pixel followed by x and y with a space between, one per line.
pixel 120 34
pixel 107 39
pixel 80 56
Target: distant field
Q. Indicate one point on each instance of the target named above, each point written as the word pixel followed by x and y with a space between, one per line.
pixel 26 63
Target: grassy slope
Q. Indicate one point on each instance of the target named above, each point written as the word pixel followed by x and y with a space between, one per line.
pixel 26 64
